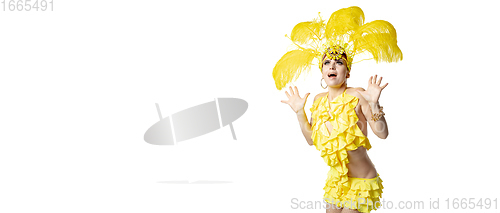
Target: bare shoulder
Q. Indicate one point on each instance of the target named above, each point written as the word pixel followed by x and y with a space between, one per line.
pixel 354 92
pixel 358 88
pixel 320 95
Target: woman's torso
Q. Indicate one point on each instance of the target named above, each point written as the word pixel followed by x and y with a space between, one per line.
pixel 360 165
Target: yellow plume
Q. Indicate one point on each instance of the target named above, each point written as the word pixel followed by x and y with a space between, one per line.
pixel 345 32
pixel 379 38
pixel 344 21
pixel 291 65
pixel 305 32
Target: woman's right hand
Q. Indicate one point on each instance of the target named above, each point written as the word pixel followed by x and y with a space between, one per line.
pixel 295 101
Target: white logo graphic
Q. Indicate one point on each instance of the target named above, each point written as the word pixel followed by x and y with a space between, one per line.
pixel 196 121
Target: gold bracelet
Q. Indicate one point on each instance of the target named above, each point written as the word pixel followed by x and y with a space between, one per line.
pixel 377 116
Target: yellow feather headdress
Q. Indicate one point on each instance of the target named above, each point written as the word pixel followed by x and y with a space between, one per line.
pixel 344 36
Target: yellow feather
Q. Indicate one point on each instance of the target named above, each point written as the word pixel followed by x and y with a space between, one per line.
pixel 380 39
pixel 345 28
pixel 304 32
pixel 344 21
pixel 291 65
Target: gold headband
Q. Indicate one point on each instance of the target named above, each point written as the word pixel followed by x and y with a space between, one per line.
pixel 336 52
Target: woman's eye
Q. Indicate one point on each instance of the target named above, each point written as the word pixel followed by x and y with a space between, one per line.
pixel 326 62
pixel 339 62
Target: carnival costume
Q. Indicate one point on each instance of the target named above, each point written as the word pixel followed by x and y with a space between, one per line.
pixel 344 36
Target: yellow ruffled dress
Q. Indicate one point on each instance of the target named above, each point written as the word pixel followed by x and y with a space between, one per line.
pixel 345 136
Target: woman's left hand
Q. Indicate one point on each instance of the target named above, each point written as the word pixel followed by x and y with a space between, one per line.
pixel 372 93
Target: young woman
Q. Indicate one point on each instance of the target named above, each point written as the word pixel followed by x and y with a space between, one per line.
pixel 359 166
pixel 340 116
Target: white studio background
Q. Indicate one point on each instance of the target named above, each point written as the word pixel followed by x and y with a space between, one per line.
pixel 79 86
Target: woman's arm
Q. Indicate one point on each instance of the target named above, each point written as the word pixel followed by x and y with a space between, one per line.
pixel 378 127
pixel 297 104
pixel 369 105
pixel 305 126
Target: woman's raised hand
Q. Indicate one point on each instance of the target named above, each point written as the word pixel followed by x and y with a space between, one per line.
pixel 374 89
pixel 294 100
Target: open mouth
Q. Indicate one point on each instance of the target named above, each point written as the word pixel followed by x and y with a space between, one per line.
pixel 332 75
